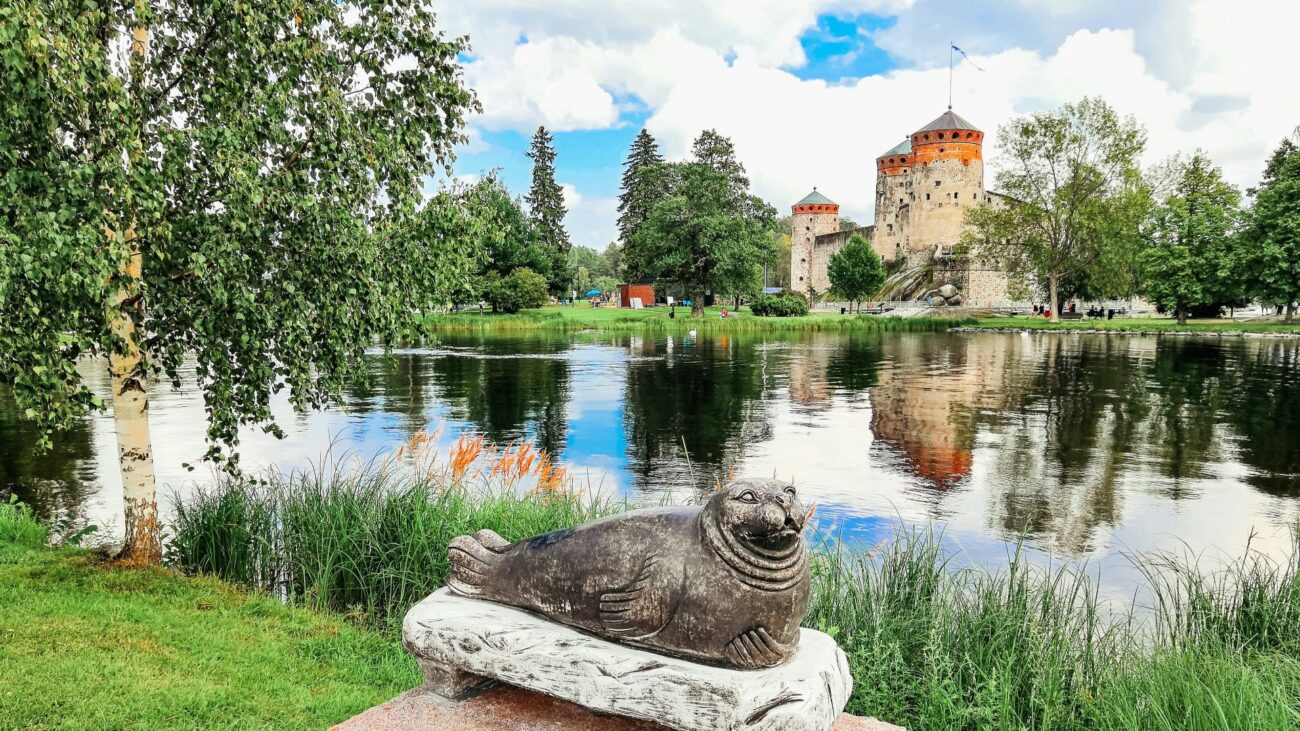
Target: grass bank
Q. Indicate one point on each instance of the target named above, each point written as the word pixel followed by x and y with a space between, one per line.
pixel 1154 325
pixel 85 645
pixel 931 647
pixel 656 320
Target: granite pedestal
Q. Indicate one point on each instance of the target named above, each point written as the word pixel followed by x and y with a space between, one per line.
pixel 466 645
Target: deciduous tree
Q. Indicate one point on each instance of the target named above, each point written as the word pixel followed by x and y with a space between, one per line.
pixel 855 271
pixel 1272 238
pixel 1072 189
pixel 697 239
pixel 216 180
pixel 1187 260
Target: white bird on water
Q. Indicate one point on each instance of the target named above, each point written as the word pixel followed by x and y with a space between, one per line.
pixel 691 333
pixel 1024 333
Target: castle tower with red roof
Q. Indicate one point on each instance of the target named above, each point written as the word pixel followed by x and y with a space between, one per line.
pixel 811 217
pixel 925 184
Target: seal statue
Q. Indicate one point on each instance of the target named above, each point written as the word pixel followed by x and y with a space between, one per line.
pixel 725 584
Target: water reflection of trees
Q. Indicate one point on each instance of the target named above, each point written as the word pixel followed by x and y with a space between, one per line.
pixel 509 389
pixel 56 482
pixel 1070 419
pixel 691 409
pixel 1264 408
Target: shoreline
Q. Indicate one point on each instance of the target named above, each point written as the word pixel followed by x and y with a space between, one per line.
pixel 1215 333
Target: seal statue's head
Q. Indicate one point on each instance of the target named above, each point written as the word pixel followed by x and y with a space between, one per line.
pixel 754 525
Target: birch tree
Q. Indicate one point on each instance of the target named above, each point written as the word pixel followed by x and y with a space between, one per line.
pixel 219 180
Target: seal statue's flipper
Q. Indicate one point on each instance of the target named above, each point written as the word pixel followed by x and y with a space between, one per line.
pixel 639 610
pixel 473 560
pixel 756 649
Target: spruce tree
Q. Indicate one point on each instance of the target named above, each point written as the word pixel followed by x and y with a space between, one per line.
pixel 719 153
pixel 643 185
pixel 546 209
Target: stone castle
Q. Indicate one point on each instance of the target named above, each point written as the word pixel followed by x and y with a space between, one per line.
pixel 924 186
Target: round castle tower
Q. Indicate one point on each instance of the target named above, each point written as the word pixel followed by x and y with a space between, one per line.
pixel 925 185
pixel 811 217
pixel 893 201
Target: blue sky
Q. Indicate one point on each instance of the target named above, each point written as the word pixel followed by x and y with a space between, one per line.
pixel 812 90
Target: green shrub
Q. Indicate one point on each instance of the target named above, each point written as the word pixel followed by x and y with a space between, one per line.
pixel 780 305
pixel 18 525
pixel 522 289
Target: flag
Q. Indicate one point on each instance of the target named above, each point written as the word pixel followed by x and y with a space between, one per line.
pixel 963 55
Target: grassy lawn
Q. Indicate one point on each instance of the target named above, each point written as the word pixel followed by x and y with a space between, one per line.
pixel 1140 324
pixel 87 646
pixel 585 317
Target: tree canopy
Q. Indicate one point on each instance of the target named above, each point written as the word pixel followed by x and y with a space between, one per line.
pixel 1272 238
pixel 1073 198
pixel 855 271
pixel 698 241
pixel 1188 258
pixel 227 180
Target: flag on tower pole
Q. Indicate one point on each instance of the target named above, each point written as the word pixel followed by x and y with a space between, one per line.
pixel 963 55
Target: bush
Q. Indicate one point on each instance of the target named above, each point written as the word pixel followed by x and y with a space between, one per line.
pixel 780 305
pixel 522 289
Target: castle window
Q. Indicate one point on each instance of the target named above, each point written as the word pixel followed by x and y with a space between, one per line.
pixel 974 196
pixel 900 201
pixel 940 149
pixel 803 261
pixel 889 227
pixel 940 135
pixel 927 138
pixel 937 182
pixel 968 135
pixel 927 196
pixel 902 159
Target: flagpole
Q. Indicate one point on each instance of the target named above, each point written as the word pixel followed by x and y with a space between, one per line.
pixel 950 47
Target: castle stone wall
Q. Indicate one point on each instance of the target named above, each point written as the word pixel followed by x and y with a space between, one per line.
pixel 824 247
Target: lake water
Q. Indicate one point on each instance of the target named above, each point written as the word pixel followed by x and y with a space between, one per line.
pixel 1090 446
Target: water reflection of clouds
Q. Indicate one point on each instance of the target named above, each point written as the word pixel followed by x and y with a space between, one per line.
pixel 1095 446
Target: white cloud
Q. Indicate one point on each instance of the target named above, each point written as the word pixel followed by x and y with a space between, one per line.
pixel 1213 74
pixel 591 221
pixel 557 63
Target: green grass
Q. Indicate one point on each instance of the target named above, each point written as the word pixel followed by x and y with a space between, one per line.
pixel 583 317
pixel 1139 324
pixel 86 645
pixel 931 646
pixel 18 526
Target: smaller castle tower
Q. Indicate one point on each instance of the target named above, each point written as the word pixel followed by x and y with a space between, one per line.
pixel 893 202
pixel 811 217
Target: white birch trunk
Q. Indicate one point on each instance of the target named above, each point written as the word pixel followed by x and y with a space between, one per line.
pixel 130 386
pixel 131 420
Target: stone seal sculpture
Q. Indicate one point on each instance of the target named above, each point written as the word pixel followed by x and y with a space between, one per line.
pixel 724 584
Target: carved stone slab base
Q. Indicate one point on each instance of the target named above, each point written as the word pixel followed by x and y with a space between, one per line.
pixel 464 643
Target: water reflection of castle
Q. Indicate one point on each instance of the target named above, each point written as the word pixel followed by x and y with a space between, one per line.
pixel 929 414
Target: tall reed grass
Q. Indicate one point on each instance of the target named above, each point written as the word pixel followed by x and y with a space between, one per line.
pixel 370 540
pixel 931 645
pixel 18 525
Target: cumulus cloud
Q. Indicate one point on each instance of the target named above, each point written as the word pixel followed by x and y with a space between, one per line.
pixel 1208 74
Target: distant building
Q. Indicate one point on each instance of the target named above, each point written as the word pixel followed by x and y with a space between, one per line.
pixel 924 186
